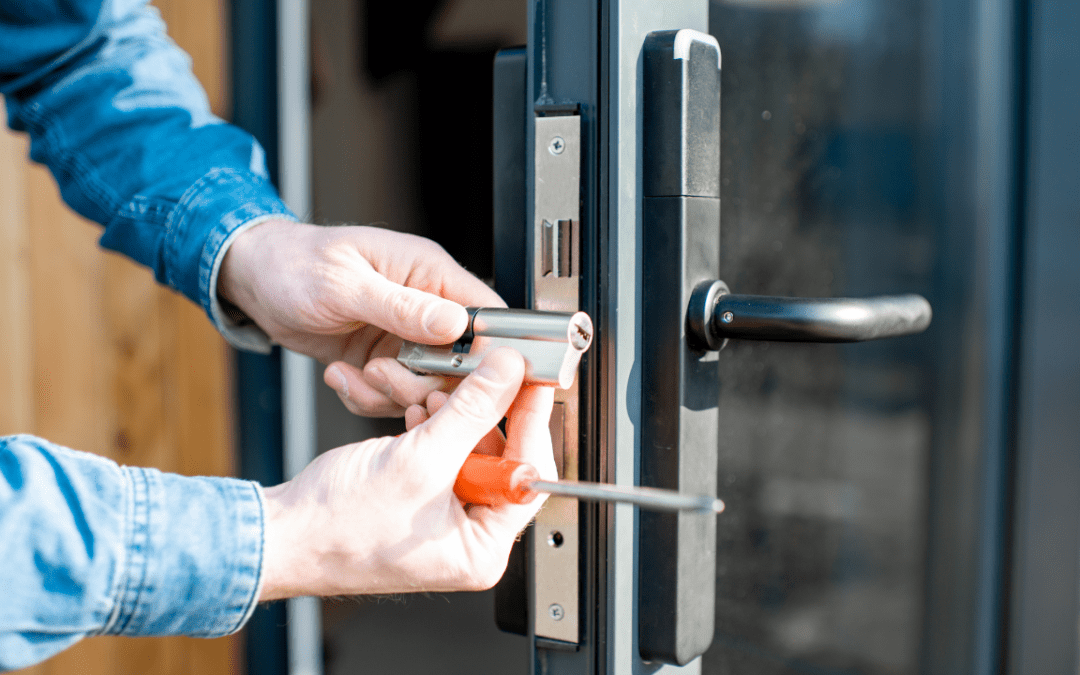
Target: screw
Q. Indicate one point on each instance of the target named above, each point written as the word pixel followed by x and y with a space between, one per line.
pixel 727 317
pixel 556 612
pixel 456 361
pixel 557 145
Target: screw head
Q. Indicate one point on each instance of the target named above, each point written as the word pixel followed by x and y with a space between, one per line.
pixel 556 612
pixel 456 361
pixel 557 145
pixel 727 317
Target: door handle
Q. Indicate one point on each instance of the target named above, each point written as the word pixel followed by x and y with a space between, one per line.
pixel 714 314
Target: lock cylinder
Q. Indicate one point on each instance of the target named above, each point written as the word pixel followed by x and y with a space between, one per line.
pixel 550 342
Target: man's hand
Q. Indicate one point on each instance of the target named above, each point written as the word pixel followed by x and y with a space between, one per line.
pixel 346 296
pixel 381 516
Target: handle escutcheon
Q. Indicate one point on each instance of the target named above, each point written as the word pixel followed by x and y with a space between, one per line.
pixel 714 315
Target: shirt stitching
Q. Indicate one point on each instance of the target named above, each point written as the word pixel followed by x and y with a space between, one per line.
pixel 119 584
pixel 140 555
pixel 245 518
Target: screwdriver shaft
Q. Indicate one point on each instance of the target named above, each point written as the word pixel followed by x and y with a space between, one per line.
pixel 655 499
pixel 489 480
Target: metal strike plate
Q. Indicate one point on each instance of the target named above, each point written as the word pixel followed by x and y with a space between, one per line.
pixel 551 343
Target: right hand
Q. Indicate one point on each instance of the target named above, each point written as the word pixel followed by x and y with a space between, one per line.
pixel 381 516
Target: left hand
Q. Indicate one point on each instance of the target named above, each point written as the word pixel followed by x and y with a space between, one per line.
pixel 346 296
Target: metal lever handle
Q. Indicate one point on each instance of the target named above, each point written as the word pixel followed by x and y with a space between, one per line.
pixel 715 315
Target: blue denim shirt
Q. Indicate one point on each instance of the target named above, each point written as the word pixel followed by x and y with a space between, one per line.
pixel 93 548
pixel 113 110
pixel 89 547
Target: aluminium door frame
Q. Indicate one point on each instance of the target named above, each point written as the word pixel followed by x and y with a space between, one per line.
pixel 590 54
pixel 1043 563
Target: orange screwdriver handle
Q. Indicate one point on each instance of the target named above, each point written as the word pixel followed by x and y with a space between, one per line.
pixel 494 481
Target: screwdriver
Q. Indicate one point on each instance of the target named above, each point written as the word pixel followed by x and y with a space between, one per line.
pixel 494 481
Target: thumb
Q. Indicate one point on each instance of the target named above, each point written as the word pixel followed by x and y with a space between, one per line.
pixel 410 313
pixel 473 410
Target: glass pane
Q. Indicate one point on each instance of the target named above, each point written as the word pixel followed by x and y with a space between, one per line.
pixel 836 163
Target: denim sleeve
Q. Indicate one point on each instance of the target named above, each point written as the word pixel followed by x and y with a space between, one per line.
pixel 113 110
pixel 92 548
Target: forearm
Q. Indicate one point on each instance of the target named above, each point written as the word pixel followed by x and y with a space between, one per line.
pixel 90 547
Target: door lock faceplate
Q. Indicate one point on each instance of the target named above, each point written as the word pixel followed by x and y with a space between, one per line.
pixel 555 247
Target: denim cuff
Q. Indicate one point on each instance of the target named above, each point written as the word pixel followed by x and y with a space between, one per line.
pixel 242 335
pixel 192 555
pixel 205 221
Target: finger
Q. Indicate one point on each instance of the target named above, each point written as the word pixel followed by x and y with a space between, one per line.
pixel 400 384
pixel 528 430
pixel 435 401
pixel 528 440
pixel 473 410
pixel 434 270
pixel 388 345
pixel 415 415
pixel 491 444
pixel 458 284
pixel 409 313
pixel 359 397
pixel 360 346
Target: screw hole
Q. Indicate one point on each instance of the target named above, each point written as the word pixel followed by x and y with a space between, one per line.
pixel 555 539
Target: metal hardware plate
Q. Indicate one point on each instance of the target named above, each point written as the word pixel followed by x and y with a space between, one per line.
pixel 555 282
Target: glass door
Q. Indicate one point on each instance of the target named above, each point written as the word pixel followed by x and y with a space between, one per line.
pixel 864 483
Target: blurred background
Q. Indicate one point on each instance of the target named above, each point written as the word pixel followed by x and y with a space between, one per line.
pixel 95 356
pixel 899 507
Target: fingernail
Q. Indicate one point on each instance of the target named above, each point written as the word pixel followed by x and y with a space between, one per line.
pixel 441 319
pixel 343 384
pixel 378 379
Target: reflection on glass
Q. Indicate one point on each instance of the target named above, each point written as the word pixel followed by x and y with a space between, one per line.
pixel 832 186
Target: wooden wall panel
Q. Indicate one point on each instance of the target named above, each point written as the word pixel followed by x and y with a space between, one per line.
pixel 16 379
pixel 96 356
